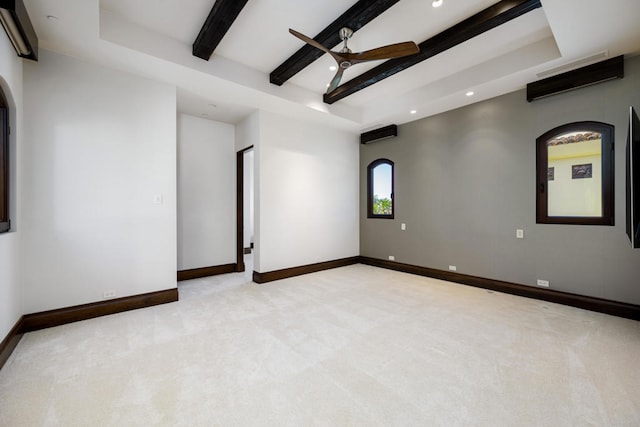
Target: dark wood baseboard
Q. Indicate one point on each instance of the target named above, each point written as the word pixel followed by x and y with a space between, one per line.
pixel 10 342
pixel 62 316
pixel 614 308
pixel 196 273
pixel 303 269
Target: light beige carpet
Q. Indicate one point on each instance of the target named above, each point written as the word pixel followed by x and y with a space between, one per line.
pixel 354 346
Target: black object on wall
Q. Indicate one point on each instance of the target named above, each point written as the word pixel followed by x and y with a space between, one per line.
pixel 16 22
pixel 378 134
pixel 591 74
pixel 222 15
pixel 633 179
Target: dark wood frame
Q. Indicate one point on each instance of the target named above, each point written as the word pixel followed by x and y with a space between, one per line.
pixel 370 169
pixel 5 223
pixel 542 165
pixel 240 209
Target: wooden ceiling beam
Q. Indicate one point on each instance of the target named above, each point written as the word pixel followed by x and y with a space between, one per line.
pixel 358 15
pixel 222 15
pixel 477 24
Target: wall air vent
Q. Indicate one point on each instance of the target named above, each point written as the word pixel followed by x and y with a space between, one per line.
pixel 379 134
pixel 591 74
pixel 600 56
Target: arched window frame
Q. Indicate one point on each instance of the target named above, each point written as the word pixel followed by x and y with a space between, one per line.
pixel 5 223
pixel 370 195
pixel 608 138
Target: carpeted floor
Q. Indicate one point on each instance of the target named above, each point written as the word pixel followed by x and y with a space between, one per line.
pixel 354 346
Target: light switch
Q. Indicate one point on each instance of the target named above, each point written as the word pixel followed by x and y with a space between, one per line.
pixel 519 234
pixel 157 199
pixel 403 226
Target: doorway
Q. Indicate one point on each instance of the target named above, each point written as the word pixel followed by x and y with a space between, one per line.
pixel 245 208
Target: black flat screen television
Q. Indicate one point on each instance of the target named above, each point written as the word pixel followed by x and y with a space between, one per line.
pixel 633 179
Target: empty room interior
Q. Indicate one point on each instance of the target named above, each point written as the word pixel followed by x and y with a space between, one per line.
pixel 345 213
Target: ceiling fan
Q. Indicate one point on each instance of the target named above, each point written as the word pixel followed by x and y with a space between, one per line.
pixel 345 58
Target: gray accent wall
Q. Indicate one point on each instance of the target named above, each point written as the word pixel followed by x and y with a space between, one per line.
pixel 465 181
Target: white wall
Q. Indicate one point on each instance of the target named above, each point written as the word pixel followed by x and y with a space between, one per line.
pixel 206 193
pixel 248 132
pixel 99 146
pixel 306 193
pixel 10 292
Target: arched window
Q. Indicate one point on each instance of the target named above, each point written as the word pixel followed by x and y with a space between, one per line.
pixel 380 189
pixel 4 164
pixel 575 175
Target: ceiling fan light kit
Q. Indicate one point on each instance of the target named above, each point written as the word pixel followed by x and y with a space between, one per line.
pixel 345 58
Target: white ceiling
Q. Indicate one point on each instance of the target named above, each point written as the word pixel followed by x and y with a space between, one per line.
pixel 153 38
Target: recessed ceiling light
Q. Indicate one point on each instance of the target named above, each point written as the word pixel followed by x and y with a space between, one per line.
pixel 333 68
pixel 436 3
pixel 470 93
pixel 412 112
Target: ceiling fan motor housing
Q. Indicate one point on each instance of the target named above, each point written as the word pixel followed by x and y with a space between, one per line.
pixel 345 33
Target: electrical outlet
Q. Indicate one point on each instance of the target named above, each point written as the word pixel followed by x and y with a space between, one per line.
pixel 543 283
pixel 392 258
pixel 108 294
pixel 453 268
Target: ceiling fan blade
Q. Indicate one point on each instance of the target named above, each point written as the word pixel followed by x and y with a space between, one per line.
pixel 336 80
pixel 310 41
pixel 385 52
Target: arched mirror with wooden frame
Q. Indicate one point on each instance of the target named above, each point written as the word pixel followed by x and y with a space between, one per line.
pixel 575 174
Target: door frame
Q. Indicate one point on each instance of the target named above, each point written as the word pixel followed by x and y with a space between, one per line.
pixel 240 208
